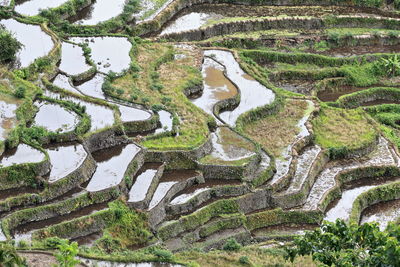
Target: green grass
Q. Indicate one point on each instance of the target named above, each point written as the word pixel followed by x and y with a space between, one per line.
pixel 336 128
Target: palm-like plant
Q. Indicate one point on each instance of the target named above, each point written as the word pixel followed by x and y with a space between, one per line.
pixel 391 65
pixel 10 258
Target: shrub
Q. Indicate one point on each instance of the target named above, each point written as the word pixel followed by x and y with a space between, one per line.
pixel 66 254
pixel 9 46
pixel 20 92
pixel 339 244
pixel 9 256
pixel 232 245
pixel 162 254
pixel 244 260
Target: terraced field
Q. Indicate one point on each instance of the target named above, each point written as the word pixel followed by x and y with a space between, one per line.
pixel 136 127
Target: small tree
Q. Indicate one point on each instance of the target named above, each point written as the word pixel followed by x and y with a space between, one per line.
pixel 9 46
pixel 66 254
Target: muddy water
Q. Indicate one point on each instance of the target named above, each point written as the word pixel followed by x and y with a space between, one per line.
pixel 229 148
pixel 216 86
pixel 99 11
pixel 348 51
pixel 24 232
pixel 167 181
pixel 187 194
pixel 383 155
pixel 143 182
pixel 111 166
pixel 36 43
pixel 327 96
pixel 253 94
pixel 33 7
pixel 22 154
pixel 132 114
pixel 191 21
pixel 88 240
pixel 64 159
pixel 283 162
pixel 55 118
pixel 93 86
pixel 100 116
pixel 108 53
pixel 341 209
pixel 73 61
pixel 4 194
pixel 303 167
pixel 382 213
pixel 8 118
pixel 379 102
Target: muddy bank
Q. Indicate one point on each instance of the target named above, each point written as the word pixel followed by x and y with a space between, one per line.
pixel 334 94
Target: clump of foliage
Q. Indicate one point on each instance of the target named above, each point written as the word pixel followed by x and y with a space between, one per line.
pixel 9 256
pixel 339 244
pixel 232 245
pixel 66 255
pixel 391 65
pixel 9 46
pixel 128 230
pixel 20 92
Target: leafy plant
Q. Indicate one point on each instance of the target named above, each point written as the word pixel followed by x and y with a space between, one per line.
pixel 9 257
pixel 232 245
pixel 66 254
pixel 391 65
pixel 339 244
pixel 9 46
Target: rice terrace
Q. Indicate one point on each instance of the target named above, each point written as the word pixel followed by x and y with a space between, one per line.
pixel 169 133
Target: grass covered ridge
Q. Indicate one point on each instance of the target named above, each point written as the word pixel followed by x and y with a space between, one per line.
pixel 336 128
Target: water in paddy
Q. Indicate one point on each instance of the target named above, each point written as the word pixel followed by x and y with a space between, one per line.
pixel 167 181
pixel 21 154
pixel 229 146
pixel 111 166
pixel 36 43
pixel 349 51
pixel 5 2
pixel 100 116
pixel 190 21
pixel 62 81
pixel 88 240
pixel 187 194
pixel 149 9
pixel 341 208
pixel 8 118
pixel 93 87
pixel 132 114
pixel 283 162
pixel 143 181
pixel 90 262
pixel 64 159
pixel 216 86
pixel 283 229
pixel 253 94
pixel 99 11
pixel 55 118
pixel 108 53
pixel 383 155
pixel 382 213
pixel 33 7
pixel 329 95
pixel 24 231
pixel 165 120
pixel 73 61
pixel 379 102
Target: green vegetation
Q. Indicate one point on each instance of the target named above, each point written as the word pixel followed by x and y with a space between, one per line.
pixel 278 131
pixel 9 46
pixel 342 131
pixel 66 256
pixel 340 244
pixel 9 257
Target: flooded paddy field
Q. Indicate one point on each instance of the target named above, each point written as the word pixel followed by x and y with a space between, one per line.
pixel 194 144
